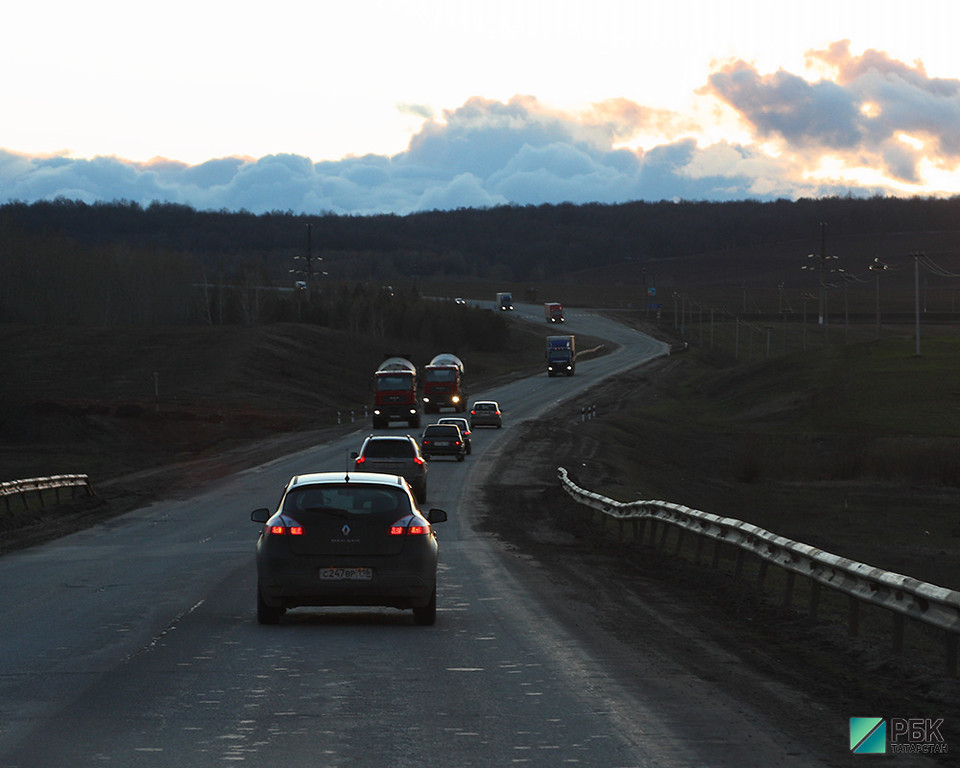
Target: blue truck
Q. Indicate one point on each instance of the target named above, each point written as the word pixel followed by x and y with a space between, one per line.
pixel 561 356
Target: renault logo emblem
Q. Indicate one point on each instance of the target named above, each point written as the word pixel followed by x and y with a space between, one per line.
pixel 345 530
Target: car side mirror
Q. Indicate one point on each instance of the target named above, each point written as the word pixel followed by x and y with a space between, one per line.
pixel 260 515
pixel 436 516
pixel 354 454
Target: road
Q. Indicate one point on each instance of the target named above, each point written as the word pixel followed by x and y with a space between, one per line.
pixel 135 643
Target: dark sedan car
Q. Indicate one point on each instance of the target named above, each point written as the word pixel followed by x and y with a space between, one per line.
pixel 347 539
pixel 443 440
pixel 464 425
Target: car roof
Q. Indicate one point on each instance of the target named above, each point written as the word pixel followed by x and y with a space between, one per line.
pixel 389 437
pixel 442 426
pixel 451 419
pixel 356 478
pixel 485 402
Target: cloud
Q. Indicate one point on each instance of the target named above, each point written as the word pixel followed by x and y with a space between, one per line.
pixel 868 112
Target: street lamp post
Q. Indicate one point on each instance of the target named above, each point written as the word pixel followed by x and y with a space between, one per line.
pixel 878 267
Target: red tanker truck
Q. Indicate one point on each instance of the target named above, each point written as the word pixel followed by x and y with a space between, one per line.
pixel 395 393
pixel 443 384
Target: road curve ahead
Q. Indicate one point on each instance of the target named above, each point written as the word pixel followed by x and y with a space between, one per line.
pixel 135 643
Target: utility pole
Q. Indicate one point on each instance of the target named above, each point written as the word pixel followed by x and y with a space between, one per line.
pixel 916 294
pixel 822 267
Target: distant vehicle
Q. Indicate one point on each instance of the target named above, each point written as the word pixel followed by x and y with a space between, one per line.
pixel 300 285
pixel 443 384
pixel 459 300
pixel 395 393
pixel 341 539
pixel 394 455
pixel 505 301
pixel 561 355
pixel 464 425
pixel 486 413
pixel 553 312
pixel 443 440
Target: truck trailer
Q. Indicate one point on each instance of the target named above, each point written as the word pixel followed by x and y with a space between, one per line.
pixel 553 312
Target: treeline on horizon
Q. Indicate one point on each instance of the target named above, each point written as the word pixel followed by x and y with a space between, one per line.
pixel 123 263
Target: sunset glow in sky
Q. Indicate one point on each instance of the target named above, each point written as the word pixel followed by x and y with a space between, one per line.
pixel 382 105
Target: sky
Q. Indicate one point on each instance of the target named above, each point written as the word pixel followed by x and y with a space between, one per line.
pixel 374 106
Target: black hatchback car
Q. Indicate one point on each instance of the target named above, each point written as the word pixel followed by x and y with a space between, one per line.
pixel 347 539
pixel 443 440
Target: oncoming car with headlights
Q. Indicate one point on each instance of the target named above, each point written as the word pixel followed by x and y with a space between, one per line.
pixel 340 539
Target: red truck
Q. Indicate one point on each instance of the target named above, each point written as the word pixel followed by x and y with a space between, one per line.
pixel 443 385
pixel 553 312
pixel 395 393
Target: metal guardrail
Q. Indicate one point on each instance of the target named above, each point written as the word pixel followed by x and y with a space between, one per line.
pixel 904 596
pixel 39 485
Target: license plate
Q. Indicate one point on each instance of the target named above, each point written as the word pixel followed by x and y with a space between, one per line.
pixel 442 443
pixel 346 574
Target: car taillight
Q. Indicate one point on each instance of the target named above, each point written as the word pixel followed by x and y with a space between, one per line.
pixel 418 460
pixel 359 460
pixel 286 530
pixel 412 526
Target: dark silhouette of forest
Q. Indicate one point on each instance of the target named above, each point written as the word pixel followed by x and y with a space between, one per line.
pixel 122 263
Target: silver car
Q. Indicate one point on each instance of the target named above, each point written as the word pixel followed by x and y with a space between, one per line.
pixel 486 413
pixel 347 539
pixel 394 455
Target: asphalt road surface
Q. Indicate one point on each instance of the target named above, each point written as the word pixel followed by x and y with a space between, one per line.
pixel 135 643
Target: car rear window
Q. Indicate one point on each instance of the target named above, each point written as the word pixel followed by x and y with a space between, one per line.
pixel 441 430
pixel 347 500
pixel 388 449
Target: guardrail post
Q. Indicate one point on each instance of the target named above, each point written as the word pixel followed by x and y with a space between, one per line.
pixel 853 627
pixel 951 640
pixel 814 600
pixel 738 564
pixel 898 633
pixel 663 536
pixel 698 551
pixel 788 590
pixel 762 574
pixel 679 544
pixel 653 531
pixel 716 553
